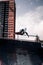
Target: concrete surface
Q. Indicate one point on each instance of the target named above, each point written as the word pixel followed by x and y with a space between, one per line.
pixel 20 53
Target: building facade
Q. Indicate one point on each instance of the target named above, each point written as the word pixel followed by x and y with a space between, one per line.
pixel 7 19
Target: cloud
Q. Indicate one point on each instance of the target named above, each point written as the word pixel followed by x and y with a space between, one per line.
pixel 37 0
pixel 33 21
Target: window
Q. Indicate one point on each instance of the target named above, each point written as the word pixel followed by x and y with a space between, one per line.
pixel 4 8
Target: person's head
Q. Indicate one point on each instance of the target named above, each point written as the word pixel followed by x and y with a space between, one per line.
pixel 25 29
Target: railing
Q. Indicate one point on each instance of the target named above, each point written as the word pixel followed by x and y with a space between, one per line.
pixel 37 37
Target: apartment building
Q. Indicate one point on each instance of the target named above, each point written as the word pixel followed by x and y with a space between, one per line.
pixel 7 19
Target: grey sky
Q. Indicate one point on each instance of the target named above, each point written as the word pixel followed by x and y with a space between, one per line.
pixel 24 6
pixel 29 14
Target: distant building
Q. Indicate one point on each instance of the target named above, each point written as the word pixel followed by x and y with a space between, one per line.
pixel 7 18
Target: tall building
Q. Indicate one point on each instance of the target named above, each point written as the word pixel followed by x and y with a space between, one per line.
pixel 7 19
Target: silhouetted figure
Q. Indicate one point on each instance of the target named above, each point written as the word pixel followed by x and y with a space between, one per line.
pixel 37 38
pixel 22 32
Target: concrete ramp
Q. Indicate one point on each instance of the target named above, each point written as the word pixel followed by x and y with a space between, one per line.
pixel 14 52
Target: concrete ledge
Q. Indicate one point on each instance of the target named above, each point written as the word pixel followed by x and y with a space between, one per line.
pixel 8 45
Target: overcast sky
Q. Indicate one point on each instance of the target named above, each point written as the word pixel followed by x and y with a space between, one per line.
pixel 29 14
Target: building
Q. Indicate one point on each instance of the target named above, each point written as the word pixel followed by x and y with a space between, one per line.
pixel 7 19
